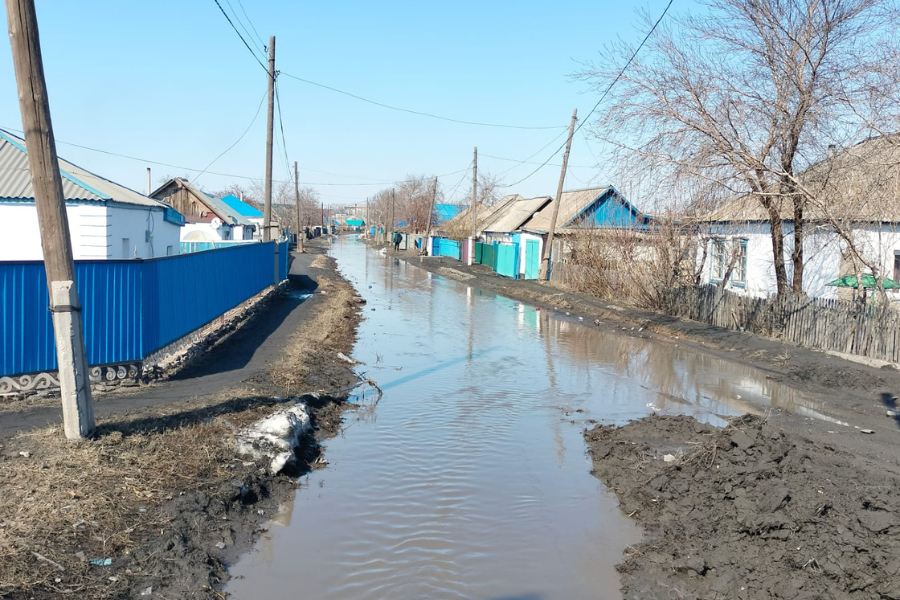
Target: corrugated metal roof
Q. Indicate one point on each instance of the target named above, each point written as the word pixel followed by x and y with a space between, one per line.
pixel 79 185
pixel 514 214
pixel 241 207
pixel 571 204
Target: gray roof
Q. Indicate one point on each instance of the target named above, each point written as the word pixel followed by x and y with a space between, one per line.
pixel 512 215
pixel 570 206
pixel 79 185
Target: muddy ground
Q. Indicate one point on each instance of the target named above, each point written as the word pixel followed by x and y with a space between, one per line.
pixel 774 506
pixel 751 511
pixel 158 500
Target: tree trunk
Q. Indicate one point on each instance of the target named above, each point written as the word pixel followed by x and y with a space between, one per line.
pixel 777 234
pixel 797 255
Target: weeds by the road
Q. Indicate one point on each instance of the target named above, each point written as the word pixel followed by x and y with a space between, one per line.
pixel 158 497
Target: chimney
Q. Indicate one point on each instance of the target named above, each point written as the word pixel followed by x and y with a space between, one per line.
pixel 148 181
pixel 832 149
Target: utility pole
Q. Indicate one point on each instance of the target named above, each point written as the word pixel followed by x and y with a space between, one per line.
pixel 148 181
pixel 545 258
pixel 270 132
pixel 74 382
pixel 323 217
pixel 475 194
pixel 430 218
pixel 300 234
pixel 393 216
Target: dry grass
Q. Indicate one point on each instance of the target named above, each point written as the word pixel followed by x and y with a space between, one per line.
pixel 100 497
pixel 72 501
pixel 317 341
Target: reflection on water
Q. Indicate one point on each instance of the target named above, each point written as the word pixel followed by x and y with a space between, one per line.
pixel 469 478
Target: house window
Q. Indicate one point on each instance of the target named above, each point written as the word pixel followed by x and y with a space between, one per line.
pixel 725 255
pixel 170 250
pixel 126 247
pixel 739 274
pixel 719 261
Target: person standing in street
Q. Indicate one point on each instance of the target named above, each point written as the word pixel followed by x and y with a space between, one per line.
pixel 398 237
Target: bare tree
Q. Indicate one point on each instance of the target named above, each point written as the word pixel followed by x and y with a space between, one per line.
pixel 747 96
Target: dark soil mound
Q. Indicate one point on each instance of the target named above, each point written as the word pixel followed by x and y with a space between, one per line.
pixel 749 512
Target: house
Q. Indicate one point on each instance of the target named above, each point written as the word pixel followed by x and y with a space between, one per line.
pixel 208 219
pixel 246 210
pixel 855 200
pixel 106 220
pixel 591 211
pixel 445 212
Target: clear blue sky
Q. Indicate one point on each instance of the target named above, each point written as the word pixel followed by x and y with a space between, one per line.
pixel 170 81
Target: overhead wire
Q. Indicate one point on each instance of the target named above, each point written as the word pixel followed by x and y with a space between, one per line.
pixel 602 96
pixel 227 18
pixel 224 152
pixel 411 111
pixel 244 27
pixel 253 27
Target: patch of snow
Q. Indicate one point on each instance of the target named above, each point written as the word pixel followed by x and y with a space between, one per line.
pixel 275 437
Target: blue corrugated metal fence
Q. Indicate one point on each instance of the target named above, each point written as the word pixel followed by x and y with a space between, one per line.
pixel 131 308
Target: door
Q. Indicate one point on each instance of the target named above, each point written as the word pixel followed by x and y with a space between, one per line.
pixel 532 259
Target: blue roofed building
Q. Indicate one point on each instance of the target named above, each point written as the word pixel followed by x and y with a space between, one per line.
pixel 445 212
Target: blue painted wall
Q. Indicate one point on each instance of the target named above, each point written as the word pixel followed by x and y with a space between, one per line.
pixel 612 211
pixel 131 308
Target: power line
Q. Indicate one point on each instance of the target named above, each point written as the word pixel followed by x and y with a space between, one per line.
pixel 258 109
pixel 241 23
pixel 603 96
pixel 287 162
pixel 227 18
pixel 411 111
pixel 533 155
pixel 258 38
pixel 527 162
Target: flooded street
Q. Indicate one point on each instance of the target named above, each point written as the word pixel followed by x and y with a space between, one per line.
pixel 469 479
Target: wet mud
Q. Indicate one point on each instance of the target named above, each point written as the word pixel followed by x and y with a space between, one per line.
pixel 749 511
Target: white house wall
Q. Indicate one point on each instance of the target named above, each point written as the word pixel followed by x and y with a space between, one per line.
pixel 822 250
pixel 129 229
pixel 20 237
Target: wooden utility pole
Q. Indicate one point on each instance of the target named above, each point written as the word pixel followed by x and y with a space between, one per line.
pixel 270 132
pixel 422 250
pixel 300 234
pixel 74 382
pixel 475 194
pixel 545 258
pixel 323 217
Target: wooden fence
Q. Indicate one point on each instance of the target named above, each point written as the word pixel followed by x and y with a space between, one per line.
pixel 837 325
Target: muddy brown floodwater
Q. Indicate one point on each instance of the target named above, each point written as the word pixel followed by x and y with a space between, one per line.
pixel 469 479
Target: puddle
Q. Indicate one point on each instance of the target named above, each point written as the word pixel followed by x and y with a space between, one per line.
pixel 467 476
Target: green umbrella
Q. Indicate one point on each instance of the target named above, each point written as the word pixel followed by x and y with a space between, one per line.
pixel 849 281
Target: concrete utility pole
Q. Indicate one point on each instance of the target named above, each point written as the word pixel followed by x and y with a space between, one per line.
pixel 393 217
pixel 475 194
pixel 300 234
pixel 270 132
pixel 74 383
pixel 545 258
pixel 430 218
